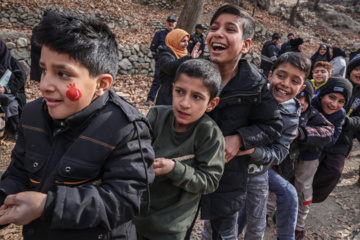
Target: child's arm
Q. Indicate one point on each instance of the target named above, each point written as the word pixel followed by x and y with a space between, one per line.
pixel 318 134
pixel 338 127
pixel 169 64
pixel 205 176
pixel 265 123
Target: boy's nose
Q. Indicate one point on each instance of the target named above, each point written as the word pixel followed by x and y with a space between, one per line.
pixel 185 103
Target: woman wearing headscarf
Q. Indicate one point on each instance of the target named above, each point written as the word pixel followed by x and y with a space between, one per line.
pixel 12 95
pixel 338 62
pixel 170 57
pixel 322 54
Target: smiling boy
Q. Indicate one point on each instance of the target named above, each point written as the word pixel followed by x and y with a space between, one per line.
pixel 83 157
pixel 189 151
pixel 286 81
pixel 321 73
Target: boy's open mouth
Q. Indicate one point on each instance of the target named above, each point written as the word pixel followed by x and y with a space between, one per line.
pixel 218 47
pixel 183 114
pixel 281 91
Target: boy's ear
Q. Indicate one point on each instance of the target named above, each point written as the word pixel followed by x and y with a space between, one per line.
pixel 103 84
pixel 246 46
pixel 212 104
pixel 302 88
pixel 269 76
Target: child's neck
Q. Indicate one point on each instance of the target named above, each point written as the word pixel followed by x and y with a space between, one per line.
pixel 227 72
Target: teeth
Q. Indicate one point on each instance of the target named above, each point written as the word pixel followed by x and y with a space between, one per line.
pixel 283 92
pixel 218 45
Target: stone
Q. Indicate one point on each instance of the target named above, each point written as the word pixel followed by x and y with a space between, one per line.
pixel 136 47
pixel 13 20
pixel 152 65
pixel 145 49
pixel 141 60
pixel 144 65
pixel 144 72
pixel 126 53
pixel 4 19
pixel 123 72
pixel 20 54
pixel 248 57
pixel 125 64
pixel 256 59
pixel 10 45
pixel 258 29
pixel 20 10
pixel 25 66
pixel 136 65
pixel 14 15
pixel 120 55
pixel 111 25
pixel 147 59
pixel 133 58
pixel 22 42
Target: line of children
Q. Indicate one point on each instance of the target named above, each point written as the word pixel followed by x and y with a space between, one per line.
pixel 189 153
pixel 286 81
pixel 83 157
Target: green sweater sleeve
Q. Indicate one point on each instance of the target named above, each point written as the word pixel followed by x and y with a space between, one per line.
pixel 204 177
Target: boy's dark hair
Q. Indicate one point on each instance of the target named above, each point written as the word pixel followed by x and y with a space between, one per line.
pixel 204 70
pixel 290 34
pixel 275 36
pixel 83 37
pixel 296 59
pixel 323 64
pixel 247 22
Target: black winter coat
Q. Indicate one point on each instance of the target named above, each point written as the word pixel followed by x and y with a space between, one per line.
pixel 168 64
pixel 268 55
pixel 94 166
pixel 17 82
pixel 245 108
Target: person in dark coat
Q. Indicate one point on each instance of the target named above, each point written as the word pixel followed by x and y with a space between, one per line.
pixel 247 115
pixel 83 157
pixel 322 54
pixel 332 159
pixel 12 95
pixel 170 58
pixel 158 41
pixel 286 45
pixel 295 45
pixel 268 54
pixel 197 37
pixel 338 62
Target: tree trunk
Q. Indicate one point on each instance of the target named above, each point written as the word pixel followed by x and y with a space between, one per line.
pixel 316 5
pixel 190 14
pixel 292 19
pixel 265 4
pixel 253 13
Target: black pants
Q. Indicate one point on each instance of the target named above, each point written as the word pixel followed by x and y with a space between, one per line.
pixel 327 175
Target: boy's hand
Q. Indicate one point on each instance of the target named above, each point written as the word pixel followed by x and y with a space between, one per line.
pixel 247 152
pixel 24 207
pixel 2 90
pixel 163 166
pixel 196 52
pixel 232 146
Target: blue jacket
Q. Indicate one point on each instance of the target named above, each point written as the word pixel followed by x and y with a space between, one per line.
pixel 158 40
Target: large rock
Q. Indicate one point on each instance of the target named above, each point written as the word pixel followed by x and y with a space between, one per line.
pixel 22 42
pixel 125 64
pixel 20 53
pixel 25 66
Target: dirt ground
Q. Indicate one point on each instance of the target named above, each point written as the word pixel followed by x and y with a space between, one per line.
pixel 336 218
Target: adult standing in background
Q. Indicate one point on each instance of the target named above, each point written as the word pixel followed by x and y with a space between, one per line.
pixel 322 54
pixel 338 62
pixel 198 36
pixel 286 45
pixel 159 40
pixel 268 54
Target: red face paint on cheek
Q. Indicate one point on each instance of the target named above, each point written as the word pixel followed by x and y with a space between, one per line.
pixel 73 93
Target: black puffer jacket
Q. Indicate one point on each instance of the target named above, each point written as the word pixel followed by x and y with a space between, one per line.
pixel 93 166
pixel 168 64
pixel 245 108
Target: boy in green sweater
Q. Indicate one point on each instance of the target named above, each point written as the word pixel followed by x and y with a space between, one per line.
pixel 189 152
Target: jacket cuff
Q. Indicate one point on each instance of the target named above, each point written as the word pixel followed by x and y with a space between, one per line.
pixel 49 206
pixel 301 134
pixel 257 153
pixel 7 89
pixel 177 172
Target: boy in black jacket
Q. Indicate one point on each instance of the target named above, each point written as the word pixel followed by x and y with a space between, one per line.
pixel 83 156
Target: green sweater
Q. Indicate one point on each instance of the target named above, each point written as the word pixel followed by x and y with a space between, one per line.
pixel 198 153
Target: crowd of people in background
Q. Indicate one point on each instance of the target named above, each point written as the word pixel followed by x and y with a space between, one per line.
pixel 224 140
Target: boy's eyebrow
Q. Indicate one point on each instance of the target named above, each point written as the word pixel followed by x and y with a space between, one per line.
pixel 228 23
pixel 198 93
pixel 288 73
pixel 60 66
